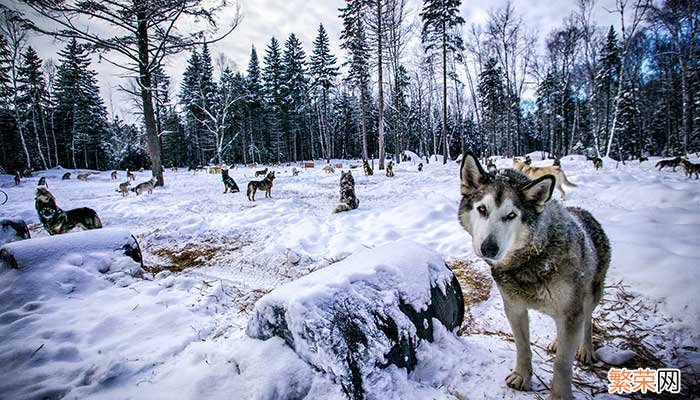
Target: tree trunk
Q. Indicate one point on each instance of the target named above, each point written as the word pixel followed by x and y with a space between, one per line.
pixel 380 124
pixel 444 93
pixel 147 99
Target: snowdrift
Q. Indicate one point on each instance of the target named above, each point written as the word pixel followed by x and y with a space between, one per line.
pixel 359 316
pixel 27 253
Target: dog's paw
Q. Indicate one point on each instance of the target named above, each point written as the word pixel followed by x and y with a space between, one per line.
pixel 518 381
pixel 552 347
pixel 585 355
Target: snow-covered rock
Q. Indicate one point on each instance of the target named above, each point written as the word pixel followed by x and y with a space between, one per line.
pixel 354 318
pixel 31 252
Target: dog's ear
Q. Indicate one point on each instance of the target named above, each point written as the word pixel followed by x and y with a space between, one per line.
pixel 539 191
pixel 472 173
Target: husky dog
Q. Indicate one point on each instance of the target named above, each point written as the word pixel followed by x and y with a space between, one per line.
pixel 145 187
pixel 420 167
pixel 66 176
pixel 538 172
pixel 491 168
pixel 691 168
pixel 528 160
pixel 174 168
pixel 368 169
pixel 130 176
pixel 17 178
pixel 543 256
pixel 265 184
pixel 114 176
pixel 229 183
pixel 557 162
pixel 348 200
pixel 329 169
pixel 295 171
pixel 42 182
pixel 56 221
pixel 83 177
pixel 597 162
pixel 262 172
pixel 124 188
pixel 13 230
pixel 275 165
pixel 27 173
pixel 390 169
pixel 673 162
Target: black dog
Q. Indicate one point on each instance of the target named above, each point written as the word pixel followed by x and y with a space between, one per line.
pixel 229 183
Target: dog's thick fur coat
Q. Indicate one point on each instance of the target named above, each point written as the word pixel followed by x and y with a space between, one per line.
pixel 229 183
pixel 56 221
pixel 543 256
pixel 348 200
pixel 265 184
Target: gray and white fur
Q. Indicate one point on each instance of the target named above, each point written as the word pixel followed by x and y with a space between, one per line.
pixel 543 256
pixel 348 200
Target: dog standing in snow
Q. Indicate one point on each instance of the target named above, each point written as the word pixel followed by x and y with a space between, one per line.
pixel 538 172
pixel 145 187
pixel 348 200
pixel 543 256
pixel 390 169
pixel 56 221
pixel 265 184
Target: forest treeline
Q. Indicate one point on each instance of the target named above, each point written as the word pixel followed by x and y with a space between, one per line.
pixel 409 77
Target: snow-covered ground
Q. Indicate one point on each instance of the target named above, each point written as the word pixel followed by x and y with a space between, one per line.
pixel 80 332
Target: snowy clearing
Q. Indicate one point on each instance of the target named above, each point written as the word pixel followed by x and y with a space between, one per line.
pixel 71 329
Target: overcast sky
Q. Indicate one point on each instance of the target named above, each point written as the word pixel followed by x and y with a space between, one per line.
pixel 263 19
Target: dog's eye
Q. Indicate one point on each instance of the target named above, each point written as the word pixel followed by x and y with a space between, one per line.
pixel 482 210
pixel 511 216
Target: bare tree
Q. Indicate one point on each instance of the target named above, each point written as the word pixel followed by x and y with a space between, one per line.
pixel 143 33
pixel 640 8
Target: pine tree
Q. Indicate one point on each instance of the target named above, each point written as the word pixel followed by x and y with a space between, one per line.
pixel 273 78
pixel 323 70
pixel 354 41
pixel 254 101
pixel 81 117
pixel 294 93
pixel 190 101
pixel 440 22
pixel 606 81
pixel 32 97
pixel 491 95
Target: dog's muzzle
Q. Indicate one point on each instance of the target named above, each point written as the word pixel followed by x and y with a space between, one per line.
pixel 489 247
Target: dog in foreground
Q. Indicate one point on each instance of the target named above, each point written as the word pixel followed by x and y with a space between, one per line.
pixel 56 221
pixel 543 256
pixel 348 200
pixel 265 184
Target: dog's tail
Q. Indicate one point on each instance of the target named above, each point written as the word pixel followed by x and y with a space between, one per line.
pixel 566 180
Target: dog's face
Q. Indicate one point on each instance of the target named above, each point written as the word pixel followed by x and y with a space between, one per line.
pixel 499 211
pixel 271 176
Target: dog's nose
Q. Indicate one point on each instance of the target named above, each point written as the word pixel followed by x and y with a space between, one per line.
pixel 489 247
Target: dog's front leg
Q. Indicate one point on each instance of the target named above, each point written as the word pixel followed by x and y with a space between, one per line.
pixel 521 376
pixel 569 332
